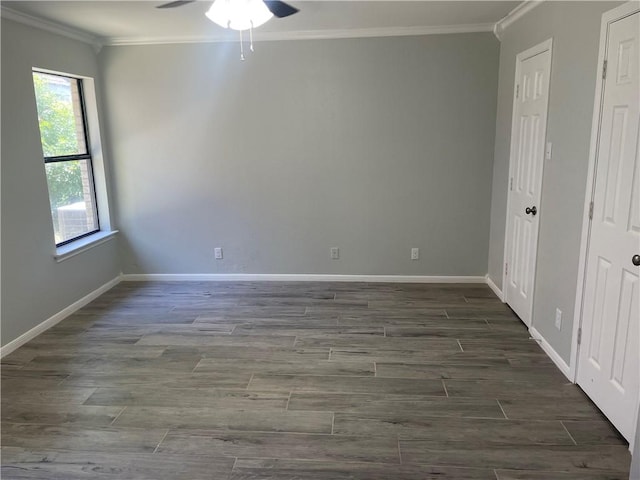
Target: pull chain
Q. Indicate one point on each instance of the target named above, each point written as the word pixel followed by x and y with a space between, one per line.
pixel 251 36
pixel 241 47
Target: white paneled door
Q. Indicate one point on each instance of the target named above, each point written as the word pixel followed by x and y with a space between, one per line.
pixel 525 180
pixel 609 358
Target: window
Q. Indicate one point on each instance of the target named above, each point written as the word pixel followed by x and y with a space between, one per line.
pixel 68 163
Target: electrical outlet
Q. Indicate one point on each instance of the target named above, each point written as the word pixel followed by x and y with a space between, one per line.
pixel 335 253
pixel 558 318
pixel 415 253
pixel 217 252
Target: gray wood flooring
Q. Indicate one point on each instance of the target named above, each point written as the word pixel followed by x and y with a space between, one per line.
pixel 284 381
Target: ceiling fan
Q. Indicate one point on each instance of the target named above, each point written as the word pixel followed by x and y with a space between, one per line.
pixel 277 8
pixel 241 14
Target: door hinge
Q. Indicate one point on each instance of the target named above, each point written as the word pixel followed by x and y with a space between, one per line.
pixel 591 211
pixel 506 268
pixel 604 69
pixel 579 336
pixel 511 183
pixel 517 91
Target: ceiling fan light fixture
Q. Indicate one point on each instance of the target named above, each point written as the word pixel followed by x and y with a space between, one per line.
pixel 239 14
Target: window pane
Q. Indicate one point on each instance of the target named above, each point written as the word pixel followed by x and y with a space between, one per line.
pixel 72 199
pixel 59 115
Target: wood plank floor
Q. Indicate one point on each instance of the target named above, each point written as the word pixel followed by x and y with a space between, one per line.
pixel 284 381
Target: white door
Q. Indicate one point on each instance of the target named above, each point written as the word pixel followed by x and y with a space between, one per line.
pixel 609 359
pixel 528 134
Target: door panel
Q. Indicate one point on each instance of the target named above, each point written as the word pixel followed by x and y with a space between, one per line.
pixel 609 358
pixel 627 307
pixel 530 119
pixel 599 301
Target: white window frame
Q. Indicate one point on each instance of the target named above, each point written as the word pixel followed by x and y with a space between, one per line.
pixel 94 148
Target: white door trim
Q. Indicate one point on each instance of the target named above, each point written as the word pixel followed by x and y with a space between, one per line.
pixel 521 57
pixel 608 17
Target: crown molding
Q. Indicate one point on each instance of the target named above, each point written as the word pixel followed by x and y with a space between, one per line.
pixel 49 26
pixel 525 7
pixel 98 42
pixel 306 35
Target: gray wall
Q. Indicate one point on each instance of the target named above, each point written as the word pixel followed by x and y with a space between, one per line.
pixel 371 145
pixel 34 286
pixel 575 28
pixel 635 459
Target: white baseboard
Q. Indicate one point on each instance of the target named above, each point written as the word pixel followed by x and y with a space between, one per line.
pixel 551 353
pixel 494 287
pixel 58 317
pixel 285 277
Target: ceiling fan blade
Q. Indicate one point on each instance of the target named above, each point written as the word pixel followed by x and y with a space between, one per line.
pixel 176 3
pixel 280 9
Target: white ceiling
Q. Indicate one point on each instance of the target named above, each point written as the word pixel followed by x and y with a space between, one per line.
pixel 117 22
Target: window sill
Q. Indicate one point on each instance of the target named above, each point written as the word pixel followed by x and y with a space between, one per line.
pixel 82 245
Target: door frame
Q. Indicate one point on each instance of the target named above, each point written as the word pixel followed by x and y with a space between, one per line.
pixel 608 18
pixel 521 57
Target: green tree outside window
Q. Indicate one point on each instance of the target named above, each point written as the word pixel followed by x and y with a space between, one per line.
pixel 58 134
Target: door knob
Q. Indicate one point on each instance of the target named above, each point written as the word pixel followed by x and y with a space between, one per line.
pixel 531 211
pixel 636 260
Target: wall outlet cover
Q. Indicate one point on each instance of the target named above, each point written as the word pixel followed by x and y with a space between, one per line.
pixel 217 252
pixel 415 253
pixel 335 253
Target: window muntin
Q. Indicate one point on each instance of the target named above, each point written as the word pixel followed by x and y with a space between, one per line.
pixel 68 163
